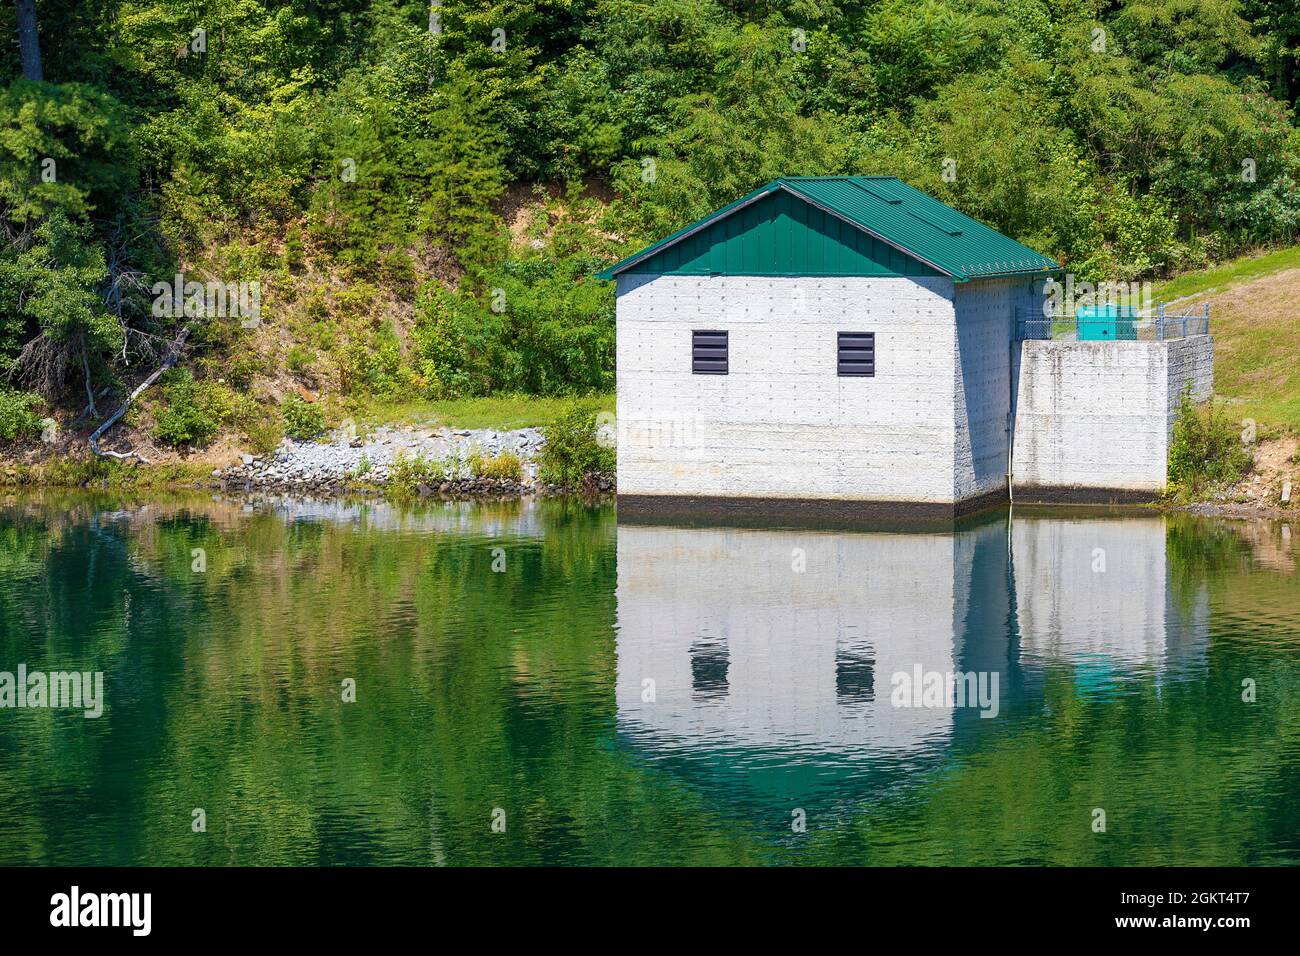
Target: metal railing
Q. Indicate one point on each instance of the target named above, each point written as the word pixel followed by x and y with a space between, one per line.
pixel 1120 324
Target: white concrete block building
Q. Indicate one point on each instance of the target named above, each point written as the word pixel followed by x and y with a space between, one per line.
pixel 829 345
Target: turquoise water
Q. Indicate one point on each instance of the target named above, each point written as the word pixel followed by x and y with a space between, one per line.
pixel 536 683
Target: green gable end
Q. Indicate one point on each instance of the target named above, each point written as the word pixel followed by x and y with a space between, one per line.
pixel 781 235
pixel 837 226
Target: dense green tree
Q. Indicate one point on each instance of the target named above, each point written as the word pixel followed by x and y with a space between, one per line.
pixel 53 285
pixel 348 153
pixel 463 156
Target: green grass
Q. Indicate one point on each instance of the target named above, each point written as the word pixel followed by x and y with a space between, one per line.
pixel 1255 322
pixel 496 411
pixel 1257 365
pixel 107 473
pixel 1230 273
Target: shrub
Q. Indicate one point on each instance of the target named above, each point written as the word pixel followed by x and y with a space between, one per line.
pixel 239 368
pixel 302 419
pixel 540 326
pixel 264 434
pixel 224 405
pixel 407 473
pixel 187 417
pixel 571 451
pixel 1206 452
pixel 505 465
pixel 17 418
pixel 299 359
pixel 370 361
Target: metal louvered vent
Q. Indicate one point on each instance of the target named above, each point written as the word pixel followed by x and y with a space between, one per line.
pixel 708 352
pixel 857 353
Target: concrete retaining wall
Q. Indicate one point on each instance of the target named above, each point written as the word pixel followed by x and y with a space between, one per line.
pixel 1096 417
pixel 1191 365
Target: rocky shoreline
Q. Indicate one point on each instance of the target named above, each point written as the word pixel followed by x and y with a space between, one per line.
pixel 438 462
pixel 1244 510
pixel 346 463
pixel 451 489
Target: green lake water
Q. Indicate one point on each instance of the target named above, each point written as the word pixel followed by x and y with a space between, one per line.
pixel 630 694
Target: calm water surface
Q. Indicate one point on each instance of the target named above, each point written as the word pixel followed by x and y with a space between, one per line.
pixel 627 694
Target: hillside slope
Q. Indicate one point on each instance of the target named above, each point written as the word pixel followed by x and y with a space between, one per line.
pixel 1255 320
pixel 1256 326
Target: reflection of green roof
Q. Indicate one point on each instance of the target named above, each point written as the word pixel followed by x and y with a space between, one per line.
pixel 753 778
pixel 795 226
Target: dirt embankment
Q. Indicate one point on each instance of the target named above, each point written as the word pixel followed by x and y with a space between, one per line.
pixel 1270 490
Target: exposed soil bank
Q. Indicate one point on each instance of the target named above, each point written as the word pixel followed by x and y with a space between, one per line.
pixel 1270 490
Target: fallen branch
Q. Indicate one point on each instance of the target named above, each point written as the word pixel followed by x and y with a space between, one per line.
pixel 169 359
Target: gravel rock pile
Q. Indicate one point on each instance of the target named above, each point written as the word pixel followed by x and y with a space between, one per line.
pixel 342 461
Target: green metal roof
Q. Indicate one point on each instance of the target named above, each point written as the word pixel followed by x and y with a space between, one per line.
pixel 884 208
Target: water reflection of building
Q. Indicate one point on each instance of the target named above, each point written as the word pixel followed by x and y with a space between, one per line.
pixel 1098 593
pixel 756 663
pixel 767 638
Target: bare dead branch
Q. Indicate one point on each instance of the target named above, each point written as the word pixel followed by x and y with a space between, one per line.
pixel 169 359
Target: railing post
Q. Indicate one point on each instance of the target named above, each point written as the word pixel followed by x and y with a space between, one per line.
pixel 1160 322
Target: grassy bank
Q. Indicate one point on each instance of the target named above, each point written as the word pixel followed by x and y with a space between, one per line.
pixel 500 412
pixel 1255 321
pixel 1228 274
pixel 104 473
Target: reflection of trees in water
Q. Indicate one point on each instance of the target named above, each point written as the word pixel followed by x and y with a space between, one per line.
pixel 479 688
pixel 1199 548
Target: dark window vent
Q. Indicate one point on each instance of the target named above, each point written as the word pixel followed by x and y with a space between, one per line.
pixel 857 353
pixel 710 662
pixel 708 352
pixel 855 675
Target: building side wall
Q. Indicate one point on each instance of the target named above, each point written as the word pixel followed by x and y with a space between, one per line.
pixel 782 423
pixel 983 387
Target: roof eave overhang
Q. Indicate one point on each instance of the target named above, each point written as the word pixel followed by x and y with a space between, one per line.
pixel 1012 274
